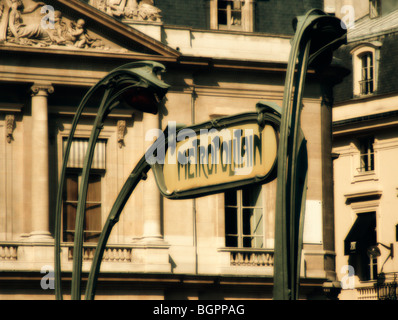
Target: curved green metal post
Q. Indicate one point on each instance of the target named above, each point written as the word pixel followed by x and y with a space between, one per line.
pixel 128 187
pixel 134 178
pixel 115 86
pixel 138 174
pixel 316 37
pixel 57 232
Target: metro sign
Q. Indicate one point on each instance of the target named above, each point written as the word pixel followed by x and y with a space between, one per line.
pixel 215 156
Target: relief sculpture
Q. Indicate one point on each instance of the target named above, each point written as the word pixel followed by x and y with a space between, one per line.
pixel 131 9
pixel 73 34
pixel 12 27
pixel 14 30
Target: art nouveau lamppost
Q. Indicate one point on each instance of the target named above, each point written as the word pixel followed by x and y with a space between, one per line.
pixel 316 36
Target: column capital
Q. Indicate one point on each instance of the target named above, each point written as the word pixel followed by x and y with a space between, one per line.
pixel 42 89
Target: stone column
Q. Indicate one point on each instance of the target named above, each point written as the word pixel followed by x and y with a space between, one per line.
pixel 40 171
pixel 152 214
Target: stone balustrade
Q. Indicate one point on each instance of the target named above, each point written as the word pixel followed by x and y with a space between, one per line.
pixel 134 256
pixel 251 257
pixel 111 254
pixel 30 256
pixel 8 252
pixel 367 293
pixel 248 261
pixel 382 289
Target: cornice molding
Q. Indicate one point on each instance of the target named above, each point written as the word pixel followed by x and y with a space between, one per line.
pixel 363 196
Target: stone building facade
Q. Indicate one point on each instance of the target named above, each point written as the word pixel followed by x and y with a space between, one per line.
pixel 365 147
pixel 222 57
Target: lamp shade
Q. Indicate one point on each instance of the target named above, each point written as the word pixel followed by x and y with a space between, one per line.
pixel 327 34
pixel 142 99
pixel 150 89
pixel 374 252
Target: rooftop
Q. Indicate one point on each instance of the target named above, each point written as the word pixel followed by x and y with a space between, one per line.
pixel 367 27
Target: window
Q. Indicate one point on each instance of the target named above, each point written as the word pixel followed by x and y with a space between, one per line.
pixel 231 15
pixel 244 223
pixel 361 237
pixel 374 8
pixel 365 60
pixel 92 221
pixel 367 156
pixel 367 82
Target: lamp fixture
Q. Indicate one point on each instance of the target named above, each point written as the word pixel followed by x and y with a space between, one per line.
pixel 374 252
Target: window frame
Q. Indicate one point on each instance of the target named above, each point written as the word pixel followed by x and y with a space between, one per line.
pixel 367 73
pixel 240 208
pixel 374 8
pixel 83 133
pixel 370 48
pixel 247 16
pixel 358 175
pixel 78 172
pixel 229 13
pixel 366 154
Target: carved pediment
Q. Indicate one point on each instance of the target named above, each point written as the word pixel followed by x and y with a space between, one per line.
pixel 30 23
pixel 72 25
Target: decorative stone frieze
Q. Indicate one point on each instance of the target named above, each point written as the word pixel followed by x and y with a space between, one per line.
pixel 44 28
pixel 141 10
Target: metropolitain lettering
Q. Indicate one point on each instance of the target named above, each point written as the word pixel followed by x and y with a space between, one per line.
pixel 231 152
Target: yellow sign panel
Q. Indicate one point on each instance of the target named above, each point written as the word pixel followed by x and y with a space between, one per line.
pixel 226 156
pixel 207 159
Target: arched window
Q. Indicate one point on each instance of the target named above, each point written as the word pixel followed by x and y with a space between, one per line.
pixel 365 59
